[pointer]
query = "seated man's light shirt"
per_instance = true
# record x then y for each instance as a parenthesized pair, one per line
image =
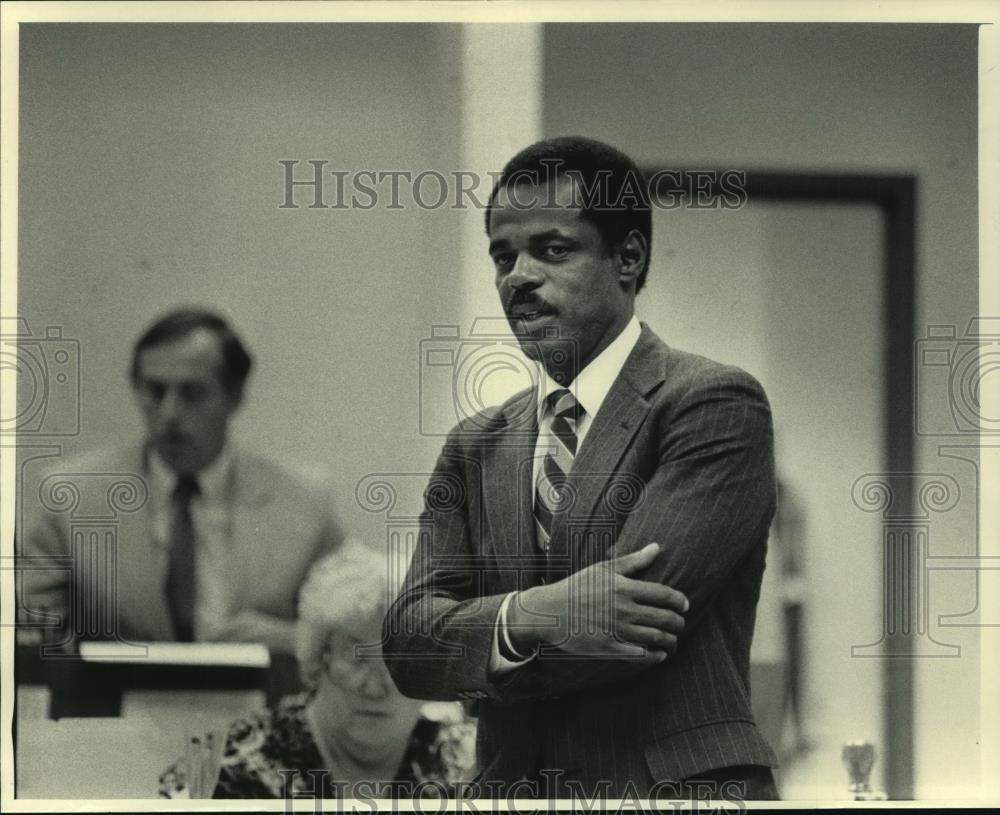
(590, 388)
(211, 517)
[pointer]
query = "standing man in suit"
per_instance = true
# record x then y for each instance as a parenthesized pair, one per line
(224, 539)
(591, 552)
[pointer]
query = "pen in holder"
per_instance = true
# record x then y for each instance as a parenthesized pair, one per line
(859, 758)
(203, 755)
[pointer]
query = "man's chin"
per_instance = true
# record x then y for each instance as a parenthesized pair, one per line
(540, 341)
(178, 457)
(557, 357)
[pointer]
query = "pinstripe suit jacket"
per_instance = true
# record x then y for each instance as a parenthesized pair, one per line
(681, 453)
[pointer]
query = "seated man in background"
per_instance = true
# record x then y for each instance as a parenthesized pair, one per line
(219, 546)
(351, 734)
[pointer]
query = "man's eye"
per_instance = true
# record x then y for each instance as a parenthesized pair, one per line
(153, 390)
(555, 251)
(503, 261)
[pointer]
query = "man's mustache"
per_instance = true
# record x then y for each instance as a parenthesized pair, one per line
(522, 303)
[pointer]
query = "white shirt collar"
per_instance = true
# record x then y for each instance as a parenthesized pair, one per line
(213, 480)
(594, 382)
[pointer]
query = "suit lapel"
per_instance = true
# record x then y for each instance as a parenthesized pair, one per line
(143, 562)
(250, 525)
(615, 425)
(507, 483)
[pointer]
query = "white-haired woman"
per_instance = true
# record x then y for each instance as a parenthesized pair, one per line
(351, 733)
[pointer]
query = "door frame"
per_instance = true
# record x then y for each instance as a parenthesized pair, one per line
(895, 197)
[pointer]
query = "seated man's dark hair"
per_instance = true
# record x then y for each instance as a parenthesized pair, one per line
(236, 361)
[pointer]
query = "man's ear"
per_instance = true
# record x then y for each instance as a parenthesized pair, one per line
(631, 257)
(235, 395)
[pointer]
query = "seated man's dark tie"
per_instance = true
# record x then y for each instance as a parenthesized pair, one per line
(181, 574)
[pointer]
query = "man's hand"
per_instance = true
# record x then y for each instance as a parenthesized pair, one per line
(601, 612)
(248, 625)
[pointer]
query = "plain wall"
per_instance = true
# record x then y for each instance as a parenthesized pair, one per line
(150, 177)
(850, 98)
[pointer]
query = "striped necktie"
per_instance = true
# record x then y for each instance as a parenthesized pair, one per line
(181, 573)
(557, 436)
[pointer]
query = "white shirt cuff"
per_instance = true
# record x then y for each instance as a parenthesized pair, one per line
(498, 662)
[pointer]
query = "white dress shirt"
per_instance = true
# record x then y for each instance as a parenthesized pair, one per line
(590, 388)
(211, 515)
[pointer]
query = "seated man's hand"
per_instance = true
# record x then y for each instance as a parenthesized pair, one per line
(601, 612)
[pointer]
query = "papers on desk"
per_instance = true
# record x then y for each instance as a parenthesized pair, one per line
(216, 654)
(96, 758)
(93, 758)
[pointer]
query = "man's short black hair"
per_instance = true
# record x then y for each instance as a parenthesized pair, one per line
(614, 191)
(236, 361)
